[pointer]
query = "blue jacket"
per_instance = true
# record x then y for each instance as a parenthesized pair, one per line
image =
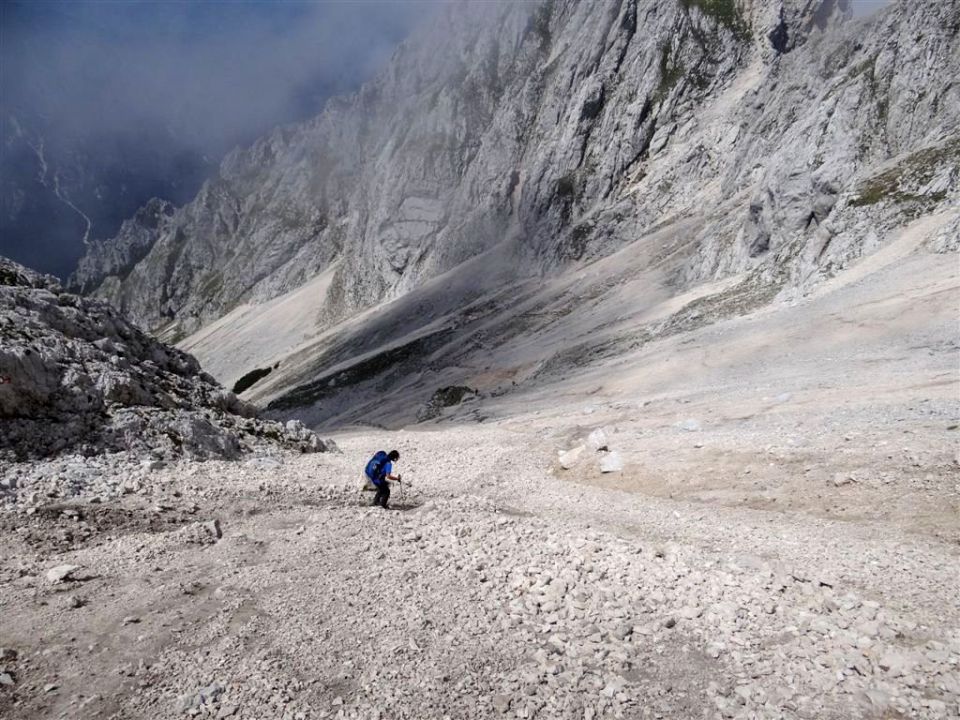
(378, 468)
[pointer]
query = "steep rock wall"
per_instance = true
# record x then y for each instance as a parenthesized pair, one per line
(562, 132)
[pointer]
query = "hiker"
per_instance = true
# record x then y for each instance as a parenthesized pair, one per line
(379, 470)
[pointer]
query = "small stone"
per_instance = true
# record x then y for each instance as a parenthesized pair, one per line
(264, 463)
(61, 572)
(611, 462)
(8, 654)
(569, 458)
(840, 479)
(597, 440)
(870, 609)
(874, 698)
(690, 425)
(501, 703)
(896, 663)
(213, 527)
(50, 688)
(6, 679)
(211, 694)
(186, 703)
(130, 620)
(74, 602)
(669, 622)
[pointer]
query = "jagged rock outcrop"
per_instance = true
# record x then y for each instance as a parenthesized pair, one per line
(75, 376)
(116, 257)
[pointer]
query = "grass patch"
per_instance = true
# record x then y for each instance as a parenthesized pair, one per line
(211, 285)
(741, 299)
(725, 12)
(577, 241)
(670, 74)
(900, 184)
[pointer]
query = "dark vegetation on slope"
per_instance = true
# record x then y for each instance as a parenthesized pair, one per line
(252, 377)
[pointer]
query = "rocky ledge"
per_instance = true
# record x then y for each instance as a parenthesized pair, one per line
(76, 379)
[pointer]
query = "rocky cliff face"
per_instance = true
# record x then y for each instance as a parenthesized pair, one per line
(76, 377)
(116, 257)
(778, 140)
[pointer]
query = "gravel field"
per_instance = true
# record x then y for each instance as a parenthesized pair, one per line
(268, 588)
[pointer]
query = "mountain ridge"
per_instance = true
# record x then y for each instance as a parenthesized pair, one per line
(546, 140)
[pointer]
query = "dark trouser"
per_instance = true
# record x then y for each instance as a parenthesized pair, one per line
(383, 494)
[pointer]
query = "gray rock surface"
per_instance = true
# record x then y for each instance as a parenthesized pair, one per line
(562, 131)
(117, 256)
(611, 462)
(78, 378)
(569, 458)
(60, 573)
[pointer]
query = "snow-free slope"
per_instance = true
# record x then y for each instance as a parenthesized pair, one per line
(252, 336)
(562, 132)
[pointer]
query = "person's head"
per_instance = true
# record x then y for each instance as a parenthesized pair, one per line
(394, 456)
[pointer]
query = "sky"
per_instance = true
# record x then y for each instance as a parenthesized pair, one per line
(214, 71)
(131, 97)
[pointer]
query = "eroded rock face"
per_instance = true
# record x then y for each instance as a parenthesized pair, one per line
(116, 257)
(564, 131)
(75, 376)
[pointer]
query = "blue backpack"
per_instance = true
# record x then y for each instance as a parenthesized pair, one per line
(375, 466)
